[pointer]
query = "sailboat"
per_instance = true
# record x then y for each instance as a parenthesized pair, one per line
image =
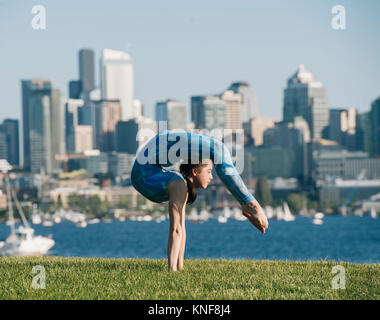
(21, 242)
(373, 213)
(287, 213)
(318, 218)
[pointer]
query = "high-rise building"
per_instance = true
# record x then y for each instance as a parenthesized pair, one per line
(132, 134)
(75, 89)
(9, 128)
(83, 138)
(257, 128)
(232, 109)
(249, 108)
(117, 80)
(375, 115)
(342, 128)
(364, 132)
(208, 112)
(3, 145)
(286, 136)
(87, 71)
(173, 112)
(107, 115)
(43, 124)
(306, 97)
(36, 96)
(57, 122)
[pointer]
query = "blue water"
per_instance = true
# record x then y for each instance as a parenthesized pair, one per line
(351, 239)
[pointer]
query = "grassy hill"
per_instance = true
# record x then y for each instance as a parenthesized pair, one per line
(99, 278)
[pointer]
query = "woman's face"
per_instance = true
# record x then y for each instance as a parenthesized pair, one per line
(203, 175)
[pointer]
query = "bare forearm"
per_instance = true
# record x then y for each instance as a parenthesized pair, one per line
(174, 241)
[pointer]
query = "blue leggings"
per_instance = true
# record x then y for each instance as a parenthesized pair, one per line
(151, 179)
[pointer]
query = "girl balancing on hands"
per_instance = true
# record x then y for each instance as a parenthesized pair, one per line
(197, 154)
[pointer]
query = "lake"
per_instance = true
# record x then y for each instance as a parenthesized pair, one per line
(350, 239)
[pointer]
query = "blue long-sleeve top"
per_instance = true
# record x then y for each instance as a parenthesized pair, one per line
(169, 147)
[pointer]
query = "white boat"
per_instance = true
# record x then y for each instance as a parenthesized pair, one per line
(319, 215)
(288, 216)
(21, 242)
(36, 218)
(93, 221)
(222, 219)
(81, 224)
(269, 212)
(279, 213)
(238, 214)
(204, 215)
(24, 243)
(47, 223)
(373, 213)
(317, 221)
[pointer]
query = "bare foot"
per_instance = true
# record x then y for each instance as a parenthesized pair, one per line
(255, 214)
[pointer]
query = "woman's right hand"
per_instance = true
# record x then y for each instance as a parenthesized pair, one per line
(255, 214)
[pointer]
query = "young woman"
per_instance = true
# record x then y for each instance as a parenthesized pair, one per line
(198, 154)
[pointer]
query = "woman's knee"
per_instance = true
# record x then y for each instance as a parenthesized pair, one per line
(177, 230)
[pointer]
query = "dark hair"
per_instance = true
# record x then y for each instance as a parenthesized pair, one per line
(186, 171)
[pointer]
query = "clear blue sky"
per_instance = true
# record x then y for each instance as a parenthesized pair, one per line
(184, 48)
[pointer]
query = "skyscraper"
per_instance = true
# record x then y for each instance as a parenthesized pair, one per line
(132, 134)
(43, 124)
(57, 122)
(86, 71)
(249, 108)
(173, 112)
(117, 80)
(232, 109)
(10, 129)
(107, 115)
(342, 128)
(208, 112)
(75, 89)
(306, 97)
(33, 92)
(375, 115)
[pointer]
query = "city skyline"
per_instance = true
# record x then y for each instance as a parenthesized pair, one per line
(343, 60)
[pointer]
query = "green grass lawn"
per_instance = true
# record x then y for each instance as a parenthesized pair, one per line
(98, 278)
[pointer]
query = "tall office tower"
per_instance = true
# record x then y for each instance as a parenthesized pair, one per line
(286, 136)
(3, 145)
(57, 122)
(249, 108)
(75, 89)
(342, 128)
(134, 133)
(117, 80)
(107, 115)
(9, 128)
(207, 112)
(257, 128)
(232, 109)
(36, 96)
(375, 115)
(306, 97)
(87, 72)
(83, 138)
(72, 122)
(364, 132)
(138, 108)
(173, 112)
